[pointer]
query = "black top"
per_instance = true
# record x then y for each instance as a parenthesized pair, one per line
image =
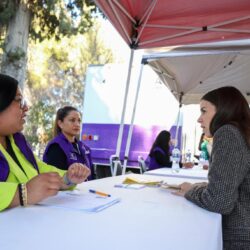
(57, 157)
(162, 159)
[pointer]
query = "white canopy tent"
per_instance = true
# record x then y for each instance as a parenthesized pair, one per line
(155, 23)
(191, 71)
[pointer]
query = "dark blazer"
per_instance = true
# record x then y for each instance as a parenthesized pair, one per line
(228, 188)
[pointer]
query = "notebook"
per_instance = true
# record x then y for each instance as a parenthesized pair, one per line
(82, 201)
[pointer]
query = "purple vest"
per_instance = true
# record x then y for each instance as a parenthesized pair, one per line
(71, 153)
(153, 164)
(25, 148)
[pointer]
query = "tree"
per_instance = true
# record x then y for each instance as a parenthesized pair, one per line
(56, 78)
(38, 19)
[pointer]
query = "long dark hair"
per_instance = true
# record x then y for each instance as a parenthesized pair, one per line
(60, 115)
(162, 141)
(8, 88)
(231, 108)
(201, 140)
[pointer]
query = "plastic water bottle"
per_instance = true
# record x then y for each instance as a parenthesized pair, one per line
(188, 157)
(202, 159)
(176, 156)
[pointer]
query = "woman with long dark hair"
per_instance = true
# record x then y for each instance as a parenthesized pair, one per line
(65, 148)
(225, 116)
(159, 155)
(24, 179)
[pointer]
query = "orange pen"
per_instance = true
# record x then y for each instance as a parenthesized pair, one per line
(99, 193)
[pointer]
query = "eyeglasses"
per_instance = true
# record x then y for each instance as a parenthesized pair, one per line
(21, 101)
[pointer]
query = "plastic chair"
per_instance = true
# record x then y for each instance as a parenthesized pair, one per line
(115, 165)
(142, 164)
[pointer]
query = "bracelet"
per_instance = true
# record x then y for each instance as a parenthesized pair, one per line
(20, 194)
(23, 195)
(67, 181)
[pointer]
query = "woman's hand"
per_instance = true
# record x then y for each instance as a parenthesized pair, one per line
(77, 173)
(187, 165)
(183, 188)
(205, 167)
(42, 186)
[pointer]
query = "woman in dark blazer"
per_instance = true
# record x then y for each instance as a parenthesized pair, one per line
(225, 115)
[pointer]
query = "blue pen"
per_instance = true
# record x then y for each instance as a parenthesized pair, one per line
(99, 193)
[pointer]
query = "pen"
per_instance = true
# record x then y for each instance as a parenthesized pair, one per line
(99, 193)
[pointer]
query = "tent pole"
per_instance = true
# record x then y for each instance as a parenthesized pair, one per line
(177, 128)
(132, 122)
(119, 139)
(178, 121)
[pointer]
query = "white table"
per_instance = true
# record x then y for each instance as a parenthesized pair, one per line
(192, 173)
(145, 219)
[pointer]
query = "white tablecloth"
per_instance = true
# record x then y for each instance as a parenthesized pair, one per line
(145, 219)
(180, 173)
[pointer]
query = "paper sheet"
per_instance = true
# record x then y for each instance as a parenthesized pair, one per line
(76, 200)
(130, 186)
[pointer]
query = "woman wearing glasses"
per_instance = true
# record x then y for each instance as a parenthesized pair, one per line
(24, 179)
(65, 149)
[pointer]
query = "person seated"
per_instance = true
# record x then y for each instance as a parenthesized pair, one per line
(24, 179)
(159, 155)
(187, 164)
(225, 116)
(205, 147)
(65, 149)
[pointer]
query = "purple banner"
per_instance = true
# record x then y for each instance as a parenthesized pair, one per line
(102, 139)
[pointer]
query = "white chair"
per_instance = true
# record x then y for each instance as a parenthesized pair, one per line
(142, 164)
(115, 165)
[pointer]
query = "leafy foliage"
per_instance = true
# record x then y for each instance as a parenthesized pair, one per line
(7, 10)
(53, 18)
(39, 126)
(56, 78)
(61, 47)
(60, 18)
